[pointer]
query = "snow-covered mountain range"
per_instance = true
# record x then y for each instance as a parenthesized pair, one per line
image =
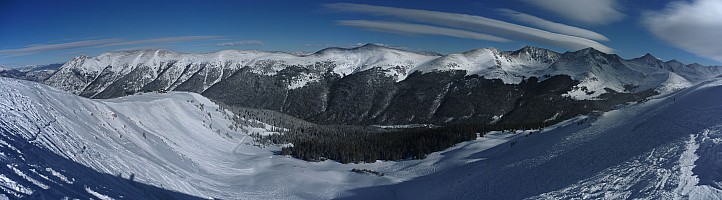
(373, 84)
(31, 72)
(91, 76)
(179, 145)
(166, 70)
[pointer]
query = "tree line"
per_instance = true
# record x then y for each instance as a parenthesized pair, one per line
(365, 146)
(355, 144)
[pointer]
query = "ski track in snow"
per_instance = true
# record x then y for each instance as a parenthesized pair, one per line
(665, 148)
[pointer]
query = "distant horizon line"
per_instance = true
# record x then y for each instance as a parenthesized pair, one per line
(307, 53)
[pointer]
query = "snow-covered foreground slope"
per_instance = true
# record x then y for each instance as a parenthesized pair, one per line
(666, 148)
(178, 146)
(55, 144)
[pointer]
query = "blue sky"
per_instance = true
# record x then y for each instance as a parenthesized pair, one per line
(41, 32)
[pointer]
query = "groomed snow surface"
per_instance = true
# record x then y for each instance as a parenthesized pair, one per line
(179, 146)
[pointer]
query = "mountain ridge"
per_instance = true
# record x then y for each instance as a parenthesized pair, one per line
(31, 72)
(373, 84)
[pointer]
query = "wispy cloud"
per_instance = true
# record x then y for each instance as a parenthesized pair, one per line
(242, 43)
(162, 40)
(75, 39)
(397, 27)
(475, 23)
(96, 43)
(694, 26)
(591, 12)
(141, 48)
(74, 53)
(31, 49)
(317, 45)
(552, 26)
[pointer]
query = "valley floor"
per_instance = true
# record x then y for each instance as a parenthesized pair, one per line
(180, 145)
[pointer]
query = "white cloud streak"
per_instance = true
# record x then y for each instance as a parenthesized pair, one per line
(31, 49)
(397, 27)
(694, 26)
(140, 48)
(242, 43)
(552, 26)
(317, 45)
(475, 23)
(37, 48)
(161, 40)
(590, 12)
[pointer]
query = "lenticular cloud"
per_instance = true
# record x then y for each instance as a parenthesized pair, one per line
(692, 26)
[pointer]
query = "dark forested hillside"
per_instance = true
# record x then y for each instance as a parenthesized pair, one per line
(369, 97)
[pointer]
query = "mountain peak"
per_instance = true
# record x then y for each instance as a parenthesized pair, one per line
(367, 46)
(648, 57)
(532, 48)
(371, 45)
(590, 50)
(482, 50)
(592, 54)
(650, 60)
(374, 47)
(81, 57)
(534, 51)
(674, 61)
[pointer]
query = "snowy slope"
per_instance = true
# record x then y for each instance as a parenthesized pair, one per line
(674, 83)
(55, 144)
(665, 148)
(510, 67)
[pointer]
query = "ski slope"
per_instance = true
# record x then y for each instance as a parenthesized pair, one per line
(178, 145)
(666, 148)
(54, 144)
